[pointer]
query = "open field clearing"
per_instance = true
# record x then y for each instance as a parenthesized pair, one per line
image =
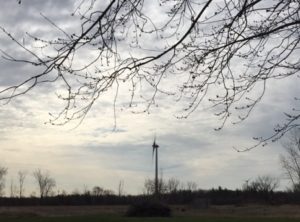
(283, 211)
(111, 218)
(256, 213)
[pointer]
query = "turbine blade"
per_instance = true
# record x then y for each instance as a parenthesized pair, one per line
(154, 146)
(153, 152)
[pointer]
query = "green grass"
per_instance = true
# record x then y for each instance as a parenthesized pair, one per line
(103, 218)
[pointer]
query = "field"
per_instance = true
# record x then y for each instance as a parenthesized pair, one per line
(124, 219)
(180, 213)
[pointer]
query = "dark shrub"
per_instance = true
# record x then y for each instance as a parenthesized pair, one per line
(148, 209)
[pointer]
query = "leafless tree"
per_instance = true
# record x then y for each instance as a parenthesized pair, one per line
(291, 160)
(86, 190)
(246, 185)
(3, 172)
(75, 192)
(13, 189)
(21, 179)
(224, 52)
(264, 183)
(121, 188)
(44, 181)
(172, 185)
(191, 185)
(108, 192)
(149, 186)
(97, 191)
(267, 183)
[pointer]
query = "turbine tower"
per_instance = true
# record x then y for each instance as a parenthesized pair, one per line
(155, 150)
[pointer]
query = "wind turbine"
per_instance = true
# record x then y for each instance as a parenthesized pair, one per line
(155, 150)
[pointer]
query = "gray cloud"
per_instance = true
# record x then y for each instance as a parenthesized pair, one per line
(189, 149)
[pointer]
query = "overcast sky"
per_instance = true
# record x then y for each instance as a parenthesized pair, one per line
(94, 154)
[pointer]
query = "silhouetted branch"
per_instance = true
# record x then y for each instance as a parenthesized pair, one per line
(225, 51)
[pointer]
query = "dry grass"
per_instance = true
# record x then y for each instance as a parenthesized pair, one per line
(283, 211)
(63, 210)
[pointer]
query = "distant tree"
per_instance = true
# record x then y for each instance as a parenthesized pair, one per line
(290, 162)
(45, 182)
(121, 188)
(108, 192)
(86, 191)
(76, 192)
(33, 194)
(219, 52)
(149, 186)
(172, 185)
(246, 185)
(13, 189)
(21, 179)
(97, 191)
(191, 185)
(262, 184)
(3, 172)
(63, 193)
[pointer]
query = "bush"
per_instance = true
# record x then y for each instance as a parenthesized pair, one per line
(148, 209)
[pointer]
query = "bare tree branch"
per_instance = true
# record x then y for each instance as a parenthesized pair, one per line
(226, 52)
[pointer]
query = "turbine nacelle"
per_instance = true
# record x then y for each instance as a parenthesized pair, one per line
(154, 146)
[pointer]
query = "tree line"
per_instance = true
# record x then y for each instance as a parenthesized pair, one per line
(262, 186)
(44, 181)
(255, 193)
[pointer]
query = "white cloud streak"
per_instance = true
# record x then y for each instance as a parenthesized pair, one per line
(94, 154)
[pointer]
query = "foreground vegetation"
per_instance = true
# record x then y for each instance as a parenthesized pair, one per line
(103, 218)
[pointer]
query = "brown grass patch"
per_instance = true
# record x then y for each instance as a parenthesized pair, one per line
(283, 211)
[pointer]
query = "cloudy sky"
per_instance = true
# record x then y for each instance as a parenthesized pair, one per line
(95, 154)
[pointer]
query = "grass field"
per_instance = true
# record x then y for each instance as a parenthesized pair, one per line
(252, 213)
(110, 218)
